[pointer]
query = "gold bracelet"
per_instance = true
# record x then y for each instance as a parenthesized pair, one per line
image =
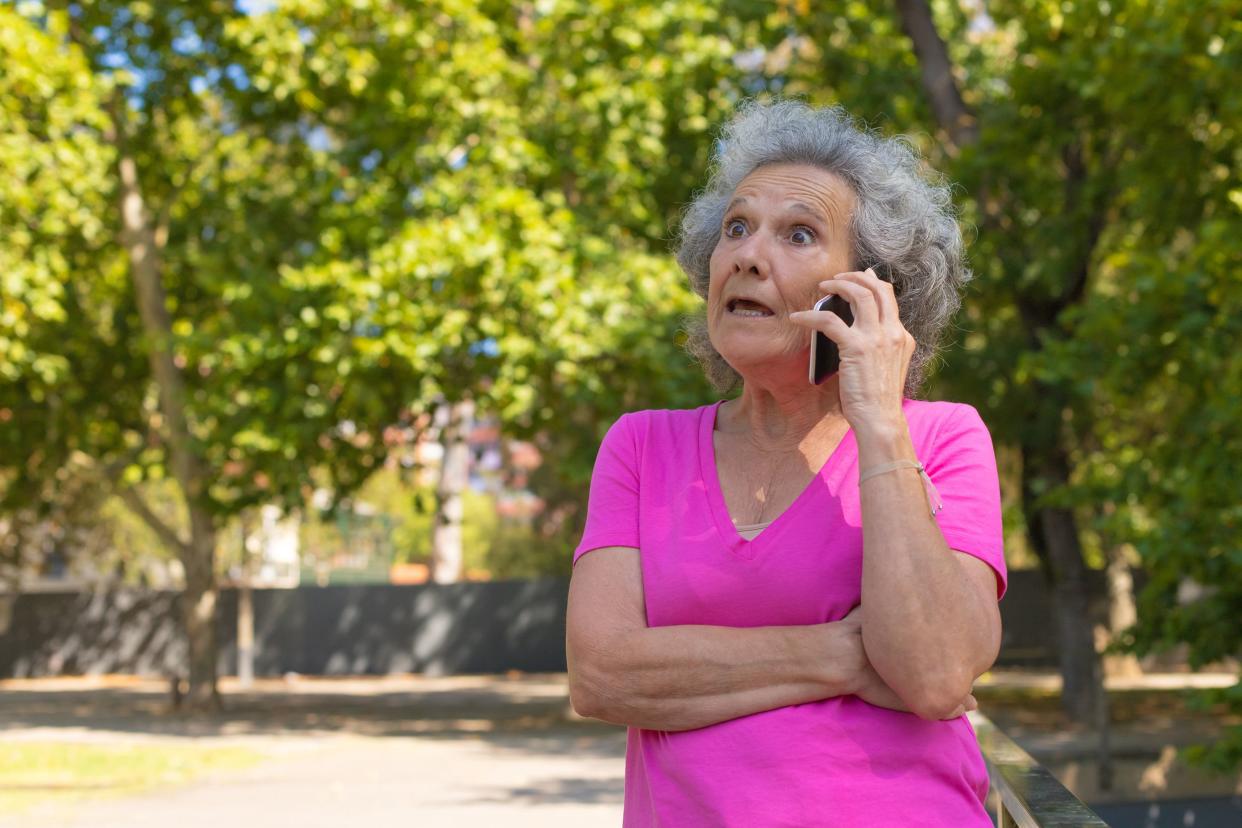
(933, 496)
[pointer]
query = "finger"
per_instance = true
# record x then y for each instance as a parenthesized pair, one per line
(862, 300)
(882, 291)
(889, 313)
(826, 322)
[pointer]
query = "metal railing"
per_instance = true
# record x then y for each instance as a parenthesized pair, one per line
(1027, 794)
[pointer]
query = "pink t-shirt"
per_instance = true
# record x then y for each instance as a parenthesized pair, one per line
(837, 762)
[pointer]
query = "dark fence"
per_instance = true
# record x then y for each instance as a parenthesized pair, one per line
(367, 629)
(334, 630)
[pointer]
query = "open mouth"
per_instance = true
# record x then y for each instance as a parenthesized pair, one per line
(748, 309)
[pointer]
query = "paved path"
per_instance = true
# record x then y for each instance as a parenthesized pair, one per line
(482, 753)
(372, 781)
(460, 751)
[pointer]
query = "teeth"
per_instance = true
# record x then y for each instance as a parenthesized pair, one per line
(736, 309)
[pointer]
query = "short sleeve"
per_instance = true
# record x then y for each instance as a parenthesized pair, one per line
(962, 466)
(612, 505)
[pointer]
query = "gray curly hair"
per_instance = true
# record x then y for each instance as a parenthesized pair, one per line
(904, 221)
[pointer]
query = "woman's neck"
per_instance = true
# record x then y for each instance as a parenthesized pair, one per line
(777, 420)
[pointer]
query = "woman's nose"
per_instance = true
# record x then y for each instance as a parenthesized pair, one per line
(751, 256)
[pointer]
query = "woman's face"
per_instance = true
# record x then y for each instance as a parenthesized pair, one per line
(785, 230)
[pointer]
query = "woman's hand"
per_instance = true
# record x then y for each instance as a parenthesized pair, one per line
(875, 350)
(871, 688)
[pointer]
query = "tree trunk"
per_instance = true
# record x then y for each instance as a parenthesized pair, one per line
(1054, 534)
(1053, 531)
(446, 552)
(199, 614)
(142, 241)
(937, 72)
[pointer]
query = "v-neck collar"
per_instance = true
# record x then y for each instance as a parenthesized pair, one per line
(715, 494)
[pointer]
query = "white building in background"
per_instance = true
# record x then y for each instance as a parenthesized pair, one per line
(273, 551)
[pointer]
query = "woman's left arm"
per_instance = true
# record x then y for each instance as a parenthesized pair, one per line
(931, 623)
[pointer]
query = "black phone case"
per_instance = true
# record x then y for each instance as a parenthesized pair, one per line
(827, 357)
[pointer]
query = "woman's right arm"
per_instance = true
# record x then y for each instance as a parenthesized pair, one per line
(685, 677)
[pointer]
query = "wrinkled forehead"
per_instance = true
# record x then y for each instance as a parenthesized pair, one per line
(797, 188)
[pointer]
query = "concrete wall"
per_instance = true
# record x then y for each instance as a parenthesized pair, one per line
(372, 629)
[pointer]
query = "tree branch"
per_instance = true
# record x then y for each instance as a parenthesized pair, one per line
(951, 112)
(163, 217)
(961, 125)
(162, 530)
(111, 471)
(146, 265)
(1075, 179)
(948, 107)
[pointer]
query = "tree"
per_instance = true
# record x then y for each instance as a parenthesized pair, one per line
(893, 65)
(517, 250)
(1093, 147)
(296, 248)
(152, 333)
(1098, 165)
(1048, 291)
(359, 212)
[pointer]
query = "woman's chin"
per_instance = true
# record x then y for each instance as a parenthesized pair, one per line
(769, 367)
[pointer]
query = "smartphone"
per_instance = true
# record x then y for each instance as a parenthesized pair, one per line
(825, 358)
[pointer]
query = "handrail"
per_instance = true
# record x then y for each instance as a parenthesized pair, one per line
(1029, 796)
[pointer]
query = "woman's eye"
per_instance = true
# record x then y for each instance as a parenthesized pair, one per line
(802, 235)
(730, 224)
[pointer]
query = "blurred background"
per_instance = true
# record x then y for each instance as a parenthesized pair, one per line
(313, 314)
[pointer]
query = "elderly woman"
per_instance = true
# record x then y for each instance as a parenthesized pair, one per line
(789, 593)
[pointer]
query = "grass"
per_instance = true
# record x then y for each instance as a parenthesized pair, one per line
(34, 773)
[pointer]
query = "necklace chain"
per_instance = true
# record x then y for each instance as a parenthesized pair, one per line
(767, 489)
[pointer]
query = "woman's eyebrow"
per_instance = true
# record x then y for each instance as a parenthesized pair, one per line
(809, 210)
(799, 206)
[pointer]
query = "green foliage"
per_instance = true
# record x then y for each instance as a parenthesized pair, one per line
(491, 545)
(1105, 210)
(525, 551)
(1225, 754)
(344, 245)
(412, 512)
(128, 546)
(1106, 193)
(371, 208)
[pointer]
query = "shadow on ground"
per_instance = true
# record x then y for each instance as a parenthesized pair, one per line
(524, 712)
(552, 791)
